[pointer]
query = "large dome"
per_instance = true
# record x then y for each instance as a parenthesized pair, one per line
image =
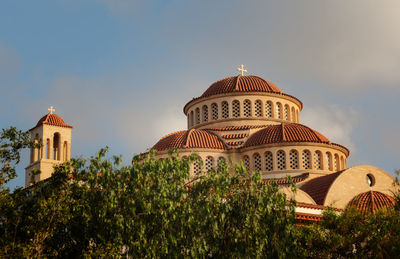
(241, 84)
(285, 132)
(190, 139)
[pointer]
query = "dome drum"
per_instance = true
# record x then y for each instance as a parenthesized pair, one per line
(251, 109)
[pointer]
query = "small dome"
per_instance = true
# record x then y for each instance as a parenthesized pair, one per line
(193, 138)
(53, 119)
(371, 201)
(241, 84)
(285, 132)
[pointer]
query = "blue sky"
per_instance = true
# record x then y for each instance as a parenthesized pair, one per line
(120, 71)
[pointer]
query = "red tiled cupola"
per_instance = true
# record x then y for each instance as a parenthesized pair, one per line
(285, 132)
(53, 119)
(193, 138)
(241, 84)
(371, 201)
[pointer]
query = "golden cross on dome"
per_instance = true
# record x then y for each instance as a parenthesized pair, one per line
(51, 109)
(241, 69)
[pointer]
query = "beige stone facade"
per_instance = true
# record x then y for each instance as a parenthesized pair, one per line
(55, 140)
(259, 126)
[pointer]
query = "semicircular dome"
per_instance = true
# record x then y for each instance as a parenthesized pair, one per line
(192, 138)
(241, 84)
(371, 201)
(285, 132)
(53, 119)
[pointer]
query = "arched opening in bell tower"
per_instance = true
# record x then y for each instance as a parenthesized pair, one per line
(56, 146)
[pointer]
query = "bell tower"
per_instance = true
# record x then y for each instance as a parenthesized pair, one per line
(55, 138)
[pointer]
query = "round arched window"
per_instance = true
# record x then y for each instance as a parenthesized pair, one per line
(370, 180)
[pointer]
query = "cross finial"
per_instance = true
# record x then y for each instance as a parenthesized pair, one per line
(241, 69)
(51, 109)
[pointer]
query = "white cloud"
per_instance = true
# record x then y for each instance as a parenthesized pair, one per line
(334, 122)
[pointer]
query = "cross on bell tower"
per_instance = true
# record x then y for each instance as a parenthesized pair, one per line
(51, 109)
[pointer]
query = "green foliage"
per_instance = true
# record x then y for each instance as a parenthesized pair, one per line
(154, 208)
(12, 141)
(352, 234)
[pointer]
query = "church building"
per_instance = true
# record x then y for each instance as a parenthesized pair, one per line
(249, 120)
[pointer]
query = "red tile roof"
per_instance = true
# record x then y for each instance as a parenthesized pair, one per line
(241, 84)
(193, 138)
(52, 119)
(318, 188)
(285, 180)
(314, 206)
(235, 136)
(307, 217)
(371, 201)
(234, 128)
(234, 143)
(285, 132)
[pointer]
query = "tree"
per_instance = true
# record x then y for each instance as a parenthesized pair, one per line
(151, 208)
(12, 141)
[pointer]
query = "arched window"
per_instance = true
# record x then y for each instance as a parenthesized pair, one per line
(191, 119)
(236, 109)
(258, 108)
(342, 165)
(56, 146)
(41, 149)
(247, 108)
(209, 163)
(317, 160)
(225, 110)
(279, 110)
(196, 167)
(336, 165)
(47, 148)
(220, 161)
(281, 159)
(269, 165)
(214, 110)
(32, 155)
(287, 112)
(246, 162)
(205, 113)
(36, 151)
(329, 161)
(293, 113)
(268, 109)
(306, 159)
(257, 162)
(294, 159)
(65, 151)
(197, 116)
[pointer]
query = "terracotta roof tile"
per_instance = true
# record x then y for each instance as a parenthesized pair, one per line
(52, 119)
(193, 138)
(241, 84)
(234, 128)
(235, 143)
(235, 136)
(314, 206)
(285, 180)
(371, 201)
(307, 217)
(285, 132)
(318, 188)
